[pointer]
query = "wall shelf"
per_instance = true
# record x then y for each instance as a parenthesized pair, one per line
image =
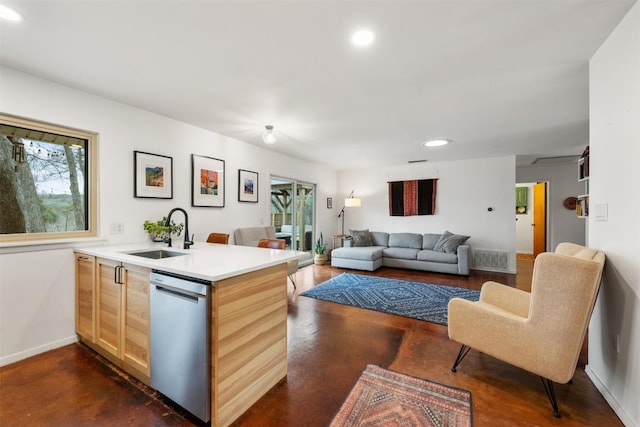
(582, 205)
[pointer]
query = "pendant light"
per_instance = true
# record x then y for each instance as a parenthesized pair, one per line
(267, 136)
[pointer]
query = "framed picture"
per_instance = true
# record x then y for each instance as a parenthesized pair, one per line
(247, 186)
(329, 203)
(152, 176)
(207, 182)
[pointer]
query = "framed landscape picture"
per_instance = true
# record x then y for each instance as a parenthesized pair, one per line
(247, 186)
(152, 176)
(207, 181)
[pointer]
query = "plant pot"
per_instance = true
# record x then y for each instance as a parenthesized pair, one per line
(159, 237)
(319, 259)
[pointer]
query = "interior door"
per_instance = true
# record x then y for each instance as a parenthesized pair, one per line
(539, 218)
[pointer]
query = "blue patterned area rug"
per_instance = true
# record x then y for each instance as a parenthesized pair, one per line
(409, 299)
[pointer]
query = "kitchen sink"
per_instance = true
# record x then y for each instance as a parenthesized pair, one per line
(156, 254)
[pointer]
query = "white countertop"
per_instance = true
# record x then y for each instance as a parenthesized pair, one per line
(208, 261)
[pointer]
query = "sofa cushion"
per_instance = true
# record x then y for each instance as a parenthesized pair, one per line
(429, 240)
(405, 240)
(360, 237)
(449, 242)
(379, 238)
(365, 253)
(402, 253)
(436, 256)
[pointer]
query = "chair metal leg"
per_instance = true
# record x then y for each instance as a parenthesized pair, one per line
(292, 281)
(551, 394)
(461, 354)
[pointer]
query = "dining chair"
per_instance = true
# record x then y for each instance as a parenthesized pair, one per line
(218, 238)
(292, 266)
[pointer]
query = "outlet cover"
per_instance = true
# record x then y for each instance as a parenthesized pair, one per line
(116, 228)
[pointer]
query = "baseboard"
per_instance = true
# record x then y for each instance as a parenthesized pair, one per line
(12, 358)
(615, 405)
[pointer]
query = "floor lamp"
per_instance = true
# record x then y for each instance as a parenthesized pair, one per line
(349, 202)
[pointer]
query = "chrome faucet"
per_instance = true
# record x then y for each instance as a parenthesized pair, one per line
(187, 242)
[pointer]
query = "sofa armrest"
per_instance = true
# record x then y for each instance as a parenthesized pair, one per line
(464, 259)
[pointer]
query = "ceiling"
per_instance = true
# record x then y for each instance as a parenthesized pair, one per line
(504, 77)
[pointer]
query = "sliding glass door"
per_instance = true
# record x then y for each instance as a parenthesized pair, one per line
(293, 213)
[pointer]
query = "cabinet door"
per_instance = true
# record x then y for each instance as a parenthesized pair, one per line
(109, 307)
(85, 296)
(135, 337)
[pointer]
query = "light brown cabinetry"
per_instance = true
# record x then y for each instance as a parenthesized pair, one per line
(85, 296)
(248, 340)
(122, 314)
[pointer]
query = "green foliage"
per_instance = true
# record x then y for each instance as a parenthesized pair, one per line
(159, 228)
(321, 246)
(57, 212)
(49, 214)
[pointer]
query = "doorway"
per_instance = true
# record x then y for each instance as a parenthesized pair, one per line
(293, 214)
(532, 220)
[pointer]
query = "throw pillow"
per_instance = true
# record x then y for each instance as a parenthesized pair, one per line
(361, 237)
(449, 242)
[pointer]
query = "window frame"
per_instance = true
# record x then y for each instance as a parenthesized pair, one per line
(92, 176)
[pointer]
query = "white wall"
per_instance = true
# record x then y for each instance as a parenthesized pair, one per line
(466, 189)
(28, 324)
(614, 332)
(564, 225)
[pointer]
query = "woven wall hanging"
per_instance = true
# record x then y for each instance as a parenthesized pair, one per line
(415, 197)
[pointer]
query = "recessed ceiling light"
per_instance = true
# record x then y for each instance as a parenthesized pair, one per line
(9, 14)
(436, 142)
(362, 38)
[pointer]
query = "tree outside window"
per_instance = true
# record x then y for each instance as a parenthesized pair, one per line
(45, 180)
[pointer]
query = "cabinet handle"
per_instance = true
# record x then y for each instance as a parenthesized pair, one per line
(117, 274)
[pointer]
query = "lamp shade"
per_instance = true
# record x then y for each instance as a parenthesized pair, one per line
(352, 202)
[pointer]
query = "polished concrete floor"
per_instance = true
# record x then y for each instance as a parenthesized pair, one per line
(329, 345)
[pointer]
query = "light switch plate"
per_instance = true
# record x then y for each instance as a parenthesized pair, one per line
(602, 212)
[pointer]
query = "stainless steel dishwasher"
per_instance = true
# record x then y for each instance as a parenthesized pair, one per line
(180, 341)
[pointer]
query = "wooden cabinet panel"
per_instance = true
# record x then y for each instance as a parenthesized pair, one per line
(109, 307)
(123, 313)
(135, 327)
(249, 340)
(85, 296)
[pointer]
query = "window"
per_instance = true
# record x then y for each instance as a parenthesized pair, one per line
(48, 180)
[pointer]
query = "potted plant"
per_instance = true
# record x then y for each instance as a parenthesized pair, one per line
(320, 257)
(159, 232)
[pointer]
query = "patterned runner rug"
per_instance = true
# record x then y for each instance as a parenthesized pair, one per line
(410, 299)
(386, 398)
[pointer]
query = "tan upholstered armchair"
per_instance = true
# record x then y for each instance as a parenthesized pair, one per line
(542, 331)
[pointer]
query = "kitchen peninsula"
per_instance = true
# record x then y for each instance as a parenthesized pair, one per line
(247, 313)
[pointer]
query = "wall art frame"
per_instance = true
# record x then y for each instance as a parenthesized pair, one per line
(152, 176)
(247, 186)
(207, 181)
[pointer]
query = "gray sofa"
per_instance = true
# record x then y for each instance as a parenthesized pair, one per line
(441, 253)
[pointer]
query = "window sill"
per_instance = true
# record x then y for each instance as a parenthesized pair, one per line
(49, 245)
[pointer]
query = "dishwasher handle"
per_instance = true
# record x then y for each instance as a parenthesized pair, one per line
(181, 293)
